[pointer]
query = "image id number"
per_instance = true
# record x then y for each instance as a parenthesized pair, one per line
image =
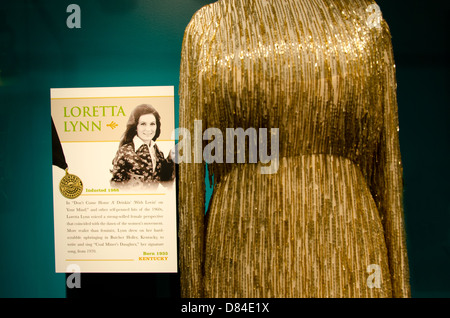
(247, 307)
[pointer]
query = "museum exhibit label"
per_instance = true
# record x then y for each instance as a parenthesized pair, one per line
(115, 203)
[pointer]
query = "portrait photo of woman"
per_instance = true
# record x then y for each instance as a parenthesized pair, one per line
(138, 162)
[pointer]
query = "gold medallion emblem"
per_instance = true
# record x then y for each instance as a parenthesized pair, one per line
(70, 186)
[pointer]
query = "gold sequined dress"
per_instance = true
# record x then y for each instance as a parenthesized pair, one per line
(323, 73)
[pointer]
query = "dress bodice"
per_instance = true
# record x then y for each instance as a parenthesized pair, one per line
(314, 69)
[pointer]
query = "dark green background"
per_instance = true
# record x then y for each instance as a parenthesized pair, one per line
(138, 43)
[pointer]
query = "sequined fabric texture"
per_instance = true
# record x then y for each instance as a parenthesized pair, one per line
(323, 73)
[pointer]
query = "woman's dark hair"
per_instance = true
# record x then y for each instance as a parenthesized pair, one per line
(133, 121)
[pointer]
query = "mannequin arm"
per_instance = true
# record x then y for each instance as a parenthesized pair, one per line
(191, 197)
(389, 175)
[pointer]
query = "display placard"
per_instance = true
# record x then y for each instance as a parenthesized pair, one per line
(115, 204)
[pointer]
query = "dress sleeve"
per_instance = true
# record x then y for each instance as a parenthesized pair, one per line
(165, 167)
(120, 167)
(389, 174)
(191, 175)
